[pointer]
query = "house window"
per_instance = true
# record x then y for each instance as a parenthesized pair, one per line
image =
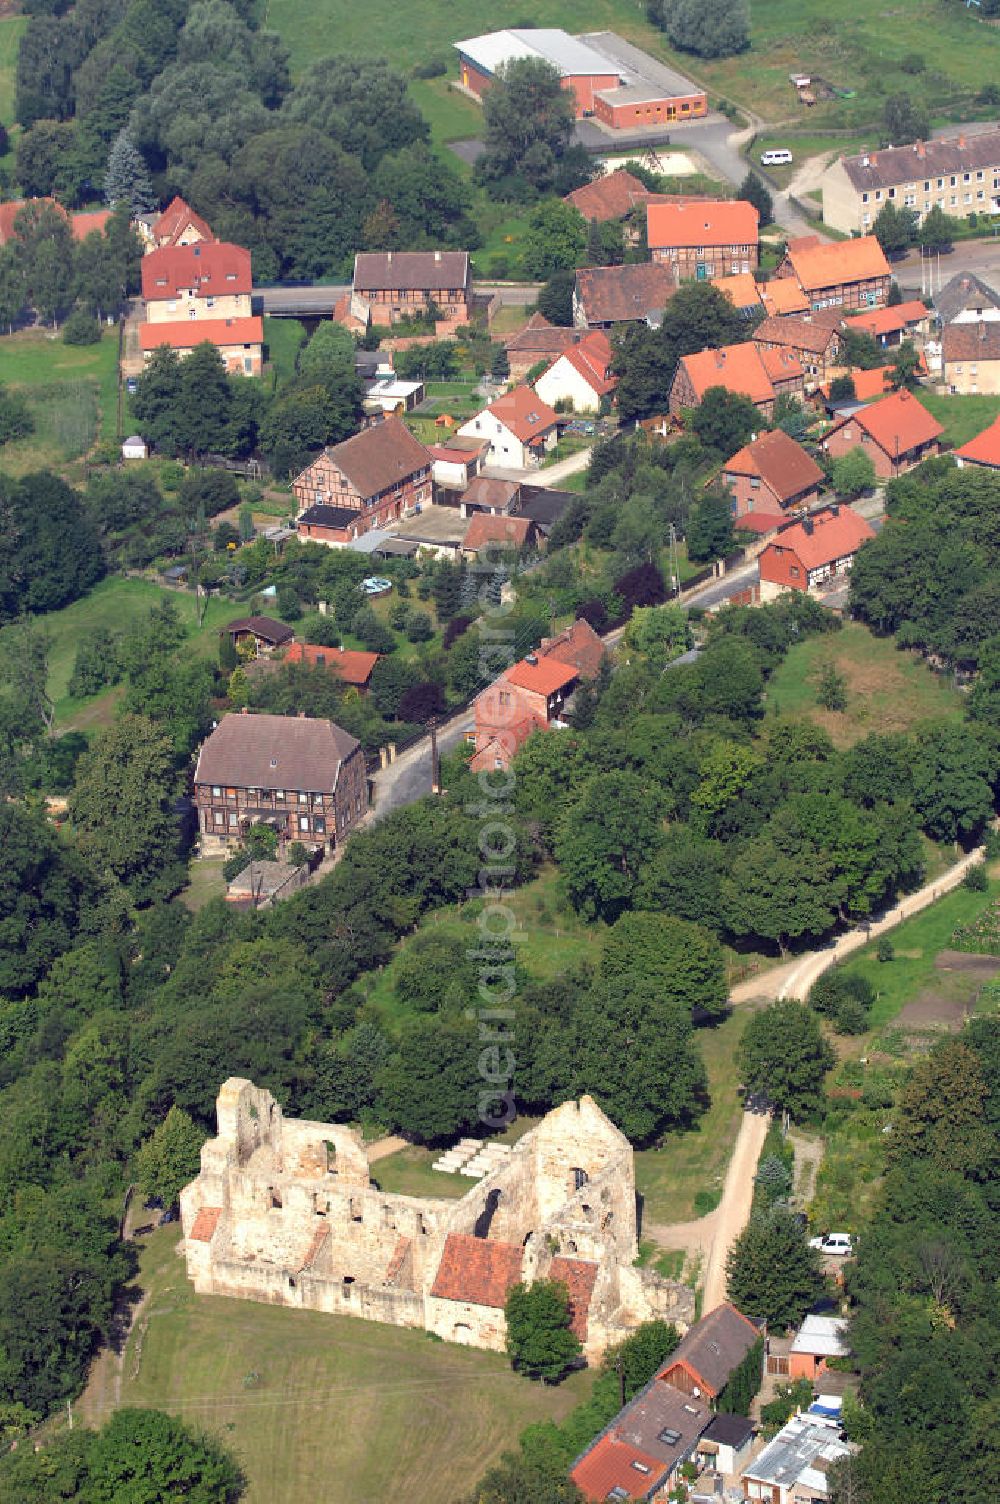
(303, 798)
(967, 177)
(927, 186)
(219, 817)
(864, 198)
(794, 571)
(319, 825)
(216, 791)
(303, 822)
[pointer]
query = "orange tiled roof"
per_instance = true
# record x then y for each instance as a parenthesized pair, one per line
(760, 522)
(708, 222)
(578, 645)
(543, 677)
(579, 1276)
(592, 359)
(783, 295)
(184, 334)
(81, 222)
(495, 527)
(205, 1223)
(741, 290)
(351, 665)
(779, 461)
(175, 218)
(796, 333)
(876, 321)
(984, 449)
(781, 364)
(818, 265)
(524, 413)
(739, 368)
(85, 222)
(834, 535)
(615, 1464)
(478, 1270)
(213, 268)
(897, 423)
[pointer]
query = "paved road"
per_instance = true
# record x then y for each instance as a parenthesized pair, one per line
(290, 302)
(716, 592)
(979, 256)
(409, 777)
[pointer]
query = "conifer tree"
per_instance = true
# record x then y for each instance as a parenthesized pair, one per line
(126, 179)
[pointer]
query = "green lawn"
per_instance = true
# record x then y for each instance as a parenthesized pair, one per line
(282, 338)
(72, 391)
(205, 882)
(963, 417)
(693, 1162)
(887, 689)
(11, 31)
(118, 604)
(451, 115)
(342, 1409)
(802, 148)
(858, 48)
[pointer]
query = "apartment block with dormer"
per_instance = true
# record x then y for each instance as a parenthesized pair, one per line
(958, 174)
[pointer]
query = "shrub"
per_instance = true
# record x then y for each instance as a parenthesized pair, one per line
(16, 421)
(81, 329)
(975, 878)
(885, 950)
(913, 62)
(845, 997)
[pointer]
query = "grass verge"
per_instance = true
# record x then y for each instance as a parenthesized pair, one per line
(887, 689)
(962, 417)
(374, 1411)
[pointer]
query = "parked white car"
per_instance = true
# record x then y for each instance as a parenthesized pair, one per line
(833, 1242)
(777, 158)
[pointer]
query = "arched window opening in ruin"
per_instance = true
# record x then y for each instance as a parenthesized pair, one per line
(462, 1332)
(482, 1227)
(587, 1210)
(331, 1157)
(319, 1205)
(346, 1287)
(608, 1220)
(570, 1247)
(275, 1200)
(580, 1178)
(356, 1211)
(291, 1282)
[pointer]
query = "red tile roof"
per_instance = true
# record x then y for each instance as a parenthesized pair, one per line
(481, 1271)
(783, 295)
(609, 197)
(780, 462)
(81, 222)
(876, 321)
(539, 337)
(494, 527)
(612, 1463)
(619, 294)
(760, 522)
(833, 536)
(796, 333)
(971, 342)
(184, 334)
(211, 269)
(741, 290)
(818, 265)
(739, 368)
(543, 677)
(205, 1223)
(176, 218)
(897, 423)
(708, 223)
(782, 364)
(592, 359)
(984, 449)
(578, 645)
(353, 666)
(524, 413)
(579, 1276)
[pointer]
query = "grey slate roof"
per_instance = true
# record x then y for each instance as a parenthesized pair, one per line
(965, 290)
(895, 165)
(715, 1346)
(275, 752)
(410, 271)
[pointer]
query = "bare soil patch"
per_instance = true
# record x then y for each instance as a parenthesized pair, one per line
(931, 1009)
(982, 968)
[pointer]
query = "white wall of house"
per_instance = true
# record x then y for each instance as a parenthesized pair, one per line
(561, 382)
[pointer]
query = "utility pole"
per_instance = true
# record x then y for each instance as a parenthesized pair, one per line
(675, 568)
(435, 761)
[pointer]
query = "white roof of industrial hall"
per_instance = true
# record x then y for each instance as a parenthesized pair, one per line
(569, 54)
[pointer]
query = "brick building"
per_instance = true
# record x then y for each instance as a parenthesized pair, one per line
(305, 778)
(705, 238)
(896, 433)
(351, 666)
(761, 375)
(366, 482)
(772, 474)
(604, 296)
(816, 549)
(983, 450)
(819, 349)
(177, 225)
(538, 341)
(532, 695)
(838, 274)
(197, 292)
(391, 285)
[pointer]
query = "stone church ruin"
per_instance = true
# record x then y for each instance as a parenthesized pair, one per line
(285, 1211)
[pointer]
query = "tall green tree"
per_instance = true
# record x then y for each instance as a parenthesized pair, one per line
(783, 1054)
(169, 1158)
(540, 1340)
(126, 180)
(605, 837)
(681, 960)
(122, 806)
(771, 1272)
(148, 1458)
(754, 191)
(528, 119)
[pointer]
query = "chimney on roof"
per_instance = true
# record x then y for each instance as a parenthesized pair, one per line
(807, 526)
(531, 658)
(961, 141)
(920, 149)
(865, 160)
(388, 256)
(835, 509)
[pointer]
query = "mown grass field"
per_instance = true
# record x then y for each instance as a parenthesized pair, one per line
(372, 1411)
(692, 1163)
(72, 391)
(962, 417)
(118, 605)
(887, 690)
(11, 31)
(282, 338)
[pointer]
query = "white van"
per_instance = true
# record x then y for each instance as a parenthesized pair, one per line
(775, 158)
